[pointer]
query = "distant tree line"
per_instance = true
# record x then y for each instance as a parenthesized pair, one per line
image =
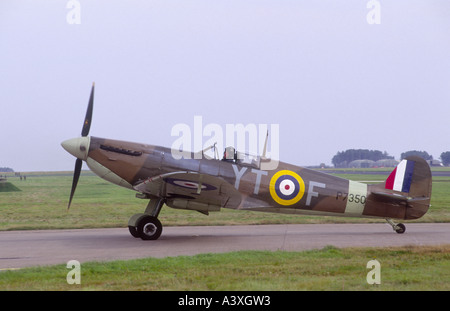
(6, 170)
(422, 154)
(342, 158)
(445, 158)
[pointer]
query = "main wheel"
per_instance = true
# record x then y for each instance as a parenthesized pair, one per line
(400, 228)
(149, 228)
(133, 231)
(132, 224)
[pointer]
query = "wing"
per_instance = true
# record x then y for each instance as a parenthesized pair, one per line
(191, 190)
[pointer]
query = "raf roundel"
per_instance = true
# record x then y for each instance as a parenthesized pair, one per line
(287, 187)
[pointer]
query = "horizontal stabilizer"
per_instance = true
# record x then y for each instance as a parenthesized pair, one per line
(395, 197)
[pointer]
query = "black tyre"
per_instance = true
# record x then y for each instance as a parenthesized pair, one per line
(400, 228)
(149, 228)
(133, 231)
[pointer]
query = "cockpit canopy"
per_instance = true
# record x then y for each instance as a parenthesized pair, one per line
(231, 155)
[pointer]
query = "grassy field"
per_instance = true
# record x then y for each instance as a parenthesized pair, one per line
(42, 200)
(42, 204)
(407, 268)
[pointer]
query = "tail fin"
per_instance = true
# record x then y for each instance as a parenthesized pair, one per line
(410, 182)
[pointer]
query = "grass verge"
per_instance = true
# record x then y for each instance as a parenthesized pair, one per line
(405, 268)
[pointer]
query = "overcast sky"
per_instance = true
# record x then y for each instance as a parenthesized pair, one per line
(330, 79)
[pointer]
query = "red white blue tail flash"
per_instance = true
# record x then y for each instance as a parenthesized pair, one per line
(401, 177)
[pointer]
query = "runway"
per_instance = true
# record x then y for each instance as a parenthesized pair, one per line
(20, 249)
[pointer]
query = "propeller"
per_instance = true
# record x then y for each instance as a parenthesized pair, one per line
(88, 117)
(84, 133)
(76, 176)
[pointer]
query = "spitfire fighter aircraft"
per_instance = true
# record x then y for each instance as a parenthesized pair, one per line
(207, 185)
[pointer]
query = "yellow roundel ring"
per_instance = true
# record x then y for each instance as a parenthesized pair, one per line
(286, 187)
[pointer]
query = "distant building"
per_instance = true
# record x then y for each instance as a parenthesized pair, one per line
(370, 164)
(386, 163)
(361, 164)
(435, 163)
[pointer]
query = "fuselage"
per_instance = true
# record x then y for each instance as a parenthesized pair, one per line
(286, 189)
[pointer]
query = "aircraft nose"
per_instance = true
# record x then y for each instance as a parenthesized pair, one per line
(78, 147)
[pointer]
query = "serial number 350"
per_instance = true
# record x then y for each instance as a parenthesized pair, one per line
(358, 198)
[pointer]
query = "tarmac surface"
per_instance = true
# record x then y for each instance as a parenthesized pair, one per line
(20, 249)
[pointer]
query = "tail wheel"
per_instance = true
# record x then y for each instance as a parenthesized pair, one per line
(148, 228)
(399, 228)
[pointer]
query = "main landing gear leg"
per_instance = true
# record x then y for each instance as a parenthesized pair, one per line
(399, 228)
(147, 226)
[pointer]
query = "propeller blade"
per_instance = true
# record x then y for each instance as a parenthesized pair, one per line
(88, 118)
(76, 176)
